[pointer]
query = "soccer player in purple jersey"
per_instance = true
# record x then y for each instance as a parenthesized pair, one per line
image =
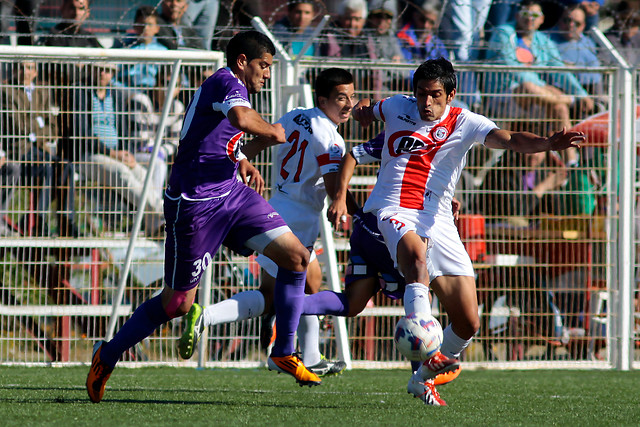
(206, 205)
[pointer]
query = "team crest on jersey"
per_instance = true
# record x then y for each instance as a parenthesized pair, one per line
(335, 153)
(440, 133)
(233, 147)
(304, 122)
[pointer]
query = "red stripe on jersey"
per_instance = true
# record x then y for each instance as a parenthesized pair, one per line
(380, 109)
(231, 146)
(324, 160)
(416, 173)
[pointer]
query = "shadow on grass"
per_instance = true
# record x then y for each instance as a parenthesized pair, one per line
(113, 399)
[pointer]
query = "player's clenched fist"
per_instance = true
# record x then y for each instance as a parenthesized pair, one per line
(279, 135)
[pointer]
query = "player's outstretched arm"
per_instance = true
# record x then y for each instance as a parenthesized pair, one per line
(250, 121)
(526, 142)
(256, 146)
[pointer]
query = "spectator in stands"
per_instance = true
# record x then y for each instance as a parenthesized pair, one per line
(418, 34)
(30, 134)
(625, 33)
(461, 25)
(233, 16)
(146, 113)
(104, 153)
(591, 9)
(380, 27)
(344, 39)
(70, 32)
(145, 28)
(294, 29)
(576, 48)
(22, 12)
(175, 31)
(521, 186)
(522, 44)
(202, 15)
(380, 23)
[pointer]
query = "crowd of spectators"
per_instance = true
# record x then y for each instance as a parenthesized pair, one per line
(513, 33)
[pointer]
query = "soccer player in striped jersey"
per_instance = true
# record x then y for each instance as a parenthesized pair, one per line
(306, 165)
(205, 205)
(371, 269)
(424, 152)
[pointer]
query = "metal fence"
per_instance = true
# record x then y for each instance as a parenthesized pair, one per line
(550, 281)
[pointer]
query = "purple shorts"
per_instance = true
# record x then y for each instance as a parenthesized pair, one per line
(243, 221)
(369, 257)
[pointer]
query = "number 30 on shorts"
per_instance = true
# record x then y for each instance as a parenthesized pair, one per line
(201, 264)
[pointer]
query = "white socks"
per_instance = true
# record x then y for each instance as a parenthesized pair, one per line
(250, 304)
(242, 306)
(416, 298)
(309, 339)
(452, 345)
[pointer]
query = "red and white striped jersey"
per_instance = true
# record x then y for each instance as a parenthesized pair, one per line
(313, 148)
(420, 158)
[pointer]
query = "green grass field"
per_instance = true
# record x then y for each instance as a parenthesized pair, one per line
(230, 397)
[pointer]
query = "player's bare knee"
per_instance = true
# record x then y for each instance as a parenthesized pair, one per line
(299, 260)
(466, 329)
(178, 303)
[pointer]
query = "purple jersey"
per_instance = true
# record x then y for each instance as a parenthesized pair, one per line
(370, 151)
(209, 149)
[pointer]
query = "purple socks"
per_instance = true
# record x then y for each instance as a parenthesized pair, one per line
(146, 319)
(326, 302)
(288, 300)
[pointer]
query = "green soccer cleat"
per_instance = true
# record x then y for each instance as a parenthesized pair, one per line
(194, 321)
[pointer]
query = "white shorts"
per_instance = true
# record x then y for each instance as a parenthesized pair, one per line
(303, 221)
(446, 255)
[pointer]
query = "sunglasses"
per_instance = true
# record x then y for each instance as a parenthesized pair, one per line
(572, 21)
(527, 14)
(381, 15)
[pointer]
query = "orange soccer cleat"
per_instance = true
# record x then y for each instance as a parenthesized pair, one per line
(293, 366)
(438, 364)
(98, 375)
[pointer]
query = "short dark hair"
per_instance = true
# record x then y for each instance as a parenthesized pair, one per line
(330, 78)
(145, 11)
(436, 69)
(293, 3)
(253, 44)
(527, 3)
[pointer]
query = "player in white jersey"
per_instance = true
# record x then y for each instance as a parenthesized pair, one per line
(306, 168)
(426, 141)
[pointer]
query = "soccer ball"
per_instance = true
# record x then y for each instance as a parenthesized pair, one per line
(418, 336)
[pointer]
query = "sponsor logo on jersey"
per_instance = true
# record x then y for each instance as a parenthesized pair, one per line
(304, 122)
(273, 215)
(409, 142)
(233, 95)
(406, 118)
